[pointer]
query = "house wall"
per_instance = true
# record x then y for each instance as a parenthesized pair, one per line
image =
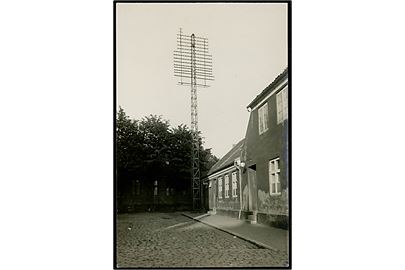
(259, 150)
(225, 204)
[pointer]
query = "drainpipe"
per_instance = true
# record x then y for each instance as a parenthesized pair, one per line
(240, 167)
(240, 191)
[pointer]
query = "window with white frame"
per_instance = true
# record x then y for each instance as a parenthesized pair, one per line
(263, 118)
(274, 175)
(282, 105)
(234, 184)
(226, 186)
(220, 188)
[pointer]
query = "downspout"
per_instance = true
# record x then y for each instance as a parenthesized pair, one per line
(240, 190)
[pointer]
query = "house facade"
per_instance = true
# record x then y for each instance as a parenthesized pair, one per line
(266, 154)
(262, 161)
(224, 183)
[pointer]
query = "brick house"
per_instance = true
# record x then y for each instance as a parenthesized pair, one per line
(262, 160)
(224, 183)
(266, 154)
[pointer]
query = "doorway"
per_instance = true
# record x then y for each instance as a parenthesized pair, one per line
(252, 188)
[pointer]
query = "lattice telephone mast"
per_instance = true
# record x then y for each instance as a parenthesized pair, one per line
(193, 66)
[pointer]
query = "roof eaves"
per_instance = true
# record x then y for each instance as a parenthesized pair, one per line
(227, 159)
(219, 169)
(269, 88)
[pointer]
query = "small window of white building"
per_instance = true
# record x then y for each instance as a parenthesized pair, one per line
(226, 186)
(274, 175)
(234, 184)
(282, 105)
(220, 188)
(263, 118)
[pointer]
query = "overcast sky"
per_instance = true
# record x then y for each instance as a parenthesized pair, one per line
(248, 43)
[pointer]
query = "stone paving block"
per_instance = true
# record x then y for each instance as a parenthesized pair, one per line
(172, 240)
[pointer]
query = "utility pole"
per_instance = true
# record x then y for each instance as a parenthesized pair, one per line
(192, 63)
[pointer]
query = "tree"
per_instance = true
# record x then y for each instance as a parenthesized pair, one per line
(150, 149)
(207, 160)
(128, 149)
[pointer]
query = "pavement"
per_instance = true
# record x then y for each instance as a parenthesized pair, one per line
(172, 240)
(258, 234)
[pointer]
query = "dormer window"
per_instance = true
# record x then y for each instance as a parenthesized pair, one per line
(263, 118)
(282, 105)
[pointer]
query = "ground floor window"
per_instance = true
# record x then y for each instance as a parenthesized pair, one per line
(234, 184)
(220, 188)
(226, 186)
(274, 175)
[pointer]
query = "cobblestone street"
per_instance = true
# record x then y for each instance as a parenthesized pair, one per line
(173, 240)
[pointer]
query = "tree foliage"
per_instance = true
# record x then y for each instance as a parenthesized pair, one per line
(149, 149)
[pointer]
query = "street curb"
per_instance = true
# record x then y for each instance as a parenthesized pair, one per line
(259, 244)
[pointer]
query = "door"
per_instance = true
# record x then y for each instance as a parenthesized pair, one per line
(252, 188)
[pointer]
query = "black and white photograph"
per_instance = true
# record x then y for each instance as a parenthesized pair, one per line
(202, 163)
(202, 134)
